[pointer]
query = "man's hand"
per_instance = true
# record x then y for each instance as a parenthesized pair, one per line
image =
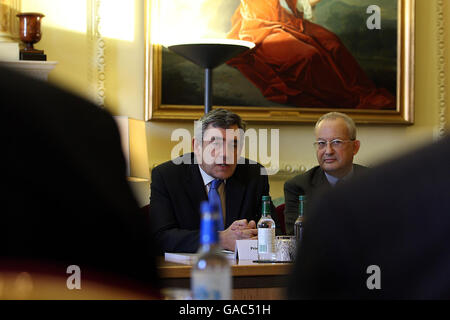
(239, 229)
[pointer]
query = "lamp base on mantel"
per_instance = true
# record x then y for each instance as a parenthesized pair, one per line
(36, 55)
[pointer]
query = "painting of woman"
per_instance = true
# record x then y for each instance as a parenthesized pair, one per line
(300, 63)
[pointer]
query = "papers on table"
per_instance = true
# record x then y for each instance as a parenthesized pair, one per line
(190, 258)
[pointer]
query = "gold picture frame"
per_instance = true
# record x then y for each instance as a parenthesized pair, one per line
(403, 114)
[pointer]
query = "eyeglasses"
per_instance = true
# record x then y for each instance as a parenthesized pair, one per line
(335, 144)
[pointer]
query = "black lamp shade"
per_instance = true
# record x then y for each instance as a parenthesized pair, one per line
(210, 55)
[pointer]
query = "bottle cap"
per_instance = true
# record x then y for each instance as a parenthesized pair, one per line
(302, 197)
(208, 229)
(265, 198)
(205, 206)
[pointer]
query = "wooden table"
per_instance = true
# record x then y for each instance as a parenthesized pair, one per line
(251, 281)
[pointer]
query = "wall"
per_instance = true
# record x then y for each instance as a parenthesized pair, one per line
(125, 73)
(379, 143)
(64, 39)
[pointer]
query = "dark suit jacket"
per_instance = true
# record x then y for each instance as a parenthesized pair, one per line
(65, 196)
(176, 193)
(396, 217)
(311, 183)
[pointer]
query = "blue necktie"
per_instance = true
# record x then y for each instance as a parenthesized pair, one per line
(214, 199)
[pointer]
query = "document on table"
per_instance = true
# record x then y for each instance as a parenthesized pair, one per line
(190, 258)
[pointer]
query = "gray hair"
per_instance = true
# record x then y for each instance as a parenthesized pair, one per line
(339, 115)
(218, 118)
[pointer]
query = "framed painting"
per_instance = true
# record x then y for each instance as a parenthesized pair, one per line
(310, 57)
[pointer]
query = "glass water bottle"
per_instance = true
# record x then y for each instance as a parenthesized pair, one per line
(211, 273)
(298, 225)
(266, 233)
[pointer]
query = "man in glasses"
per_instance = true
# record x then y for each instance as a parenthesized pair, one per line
(335, 145)
(214, 170)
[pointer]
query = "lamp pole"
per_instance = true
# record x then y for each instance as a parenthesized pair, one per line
(208, 90)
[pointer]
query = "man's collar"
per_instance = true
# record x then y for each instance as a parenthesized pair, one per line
(333, 180)
(206, 177)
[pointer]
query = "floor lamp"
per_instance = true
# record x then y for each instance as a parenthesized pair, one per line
(209, 54)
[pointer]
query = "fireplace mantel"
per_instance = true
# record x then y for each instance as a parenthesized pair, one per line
(36, 69)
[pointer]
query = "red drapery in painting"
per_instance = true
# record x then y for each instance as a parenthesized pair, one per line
(300, 63)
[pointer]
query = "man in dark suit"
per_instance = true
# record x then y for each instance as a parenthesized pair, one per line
(336, 145)
(178, 186)
(383, 236)
(65, 199)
